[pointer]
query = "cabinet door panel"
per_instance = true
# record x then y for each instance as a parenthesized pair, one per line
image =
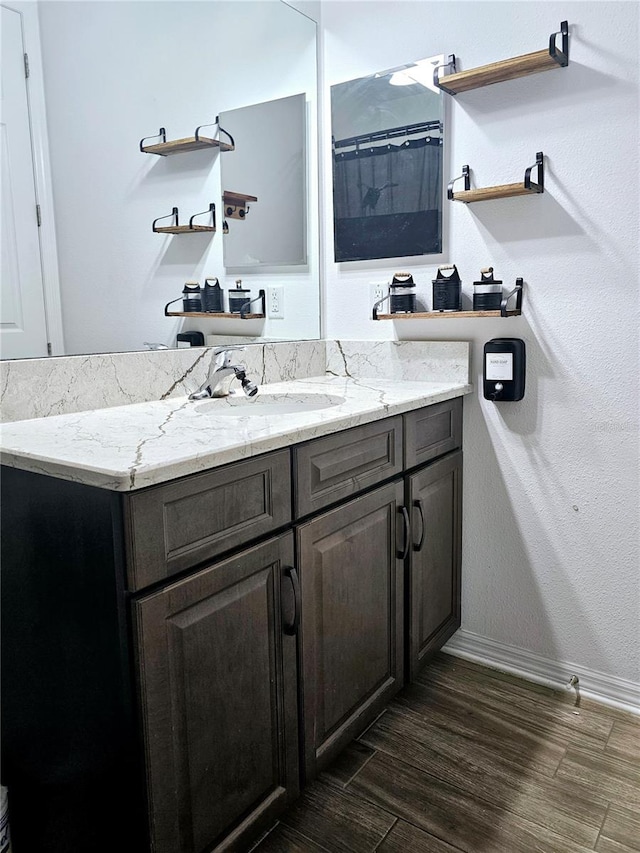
(177, 525)
(432, 431)
(352, 588)
(335, 467)
(218, 688)
(434, 575)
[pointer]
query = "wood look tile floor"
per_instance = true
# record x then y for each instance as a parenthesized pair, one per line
(470, 759)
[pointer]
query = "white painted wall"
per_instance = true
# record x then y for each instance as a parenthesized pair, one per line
(117, 71)
(550, 555)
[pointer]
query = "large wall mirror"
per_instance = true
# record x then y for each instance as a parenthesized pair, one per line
(115, 72)
(387, 135)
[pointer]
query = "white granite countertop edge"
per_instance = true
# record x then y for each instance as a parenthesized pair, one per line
(126, 448)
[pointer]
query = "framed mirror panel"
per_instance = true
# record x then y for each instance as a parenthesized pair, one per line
(387, 140)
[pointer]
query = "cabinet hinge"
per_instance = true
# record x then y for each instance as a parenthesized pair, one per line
(38, 215)
(26, 65)
(49, 349)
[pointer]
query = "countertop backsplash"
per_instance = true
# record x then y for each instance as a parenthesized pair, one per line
(38, 388)
(41, 387)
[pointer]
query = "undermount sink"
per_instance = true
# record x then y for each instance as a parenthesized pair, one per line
(236, 406)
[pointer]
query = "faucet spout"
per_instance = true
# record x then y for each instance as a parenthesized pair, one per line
(221, 373)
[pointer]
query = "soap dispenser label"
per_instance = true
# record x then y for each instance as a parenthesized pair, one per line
(499, 365)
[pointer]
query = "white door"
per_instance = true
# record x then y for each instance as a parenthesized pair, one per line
(23, 328)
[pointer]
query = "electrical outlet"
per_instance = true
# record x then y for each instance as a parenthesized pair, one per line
(377, 290)
(275, 302)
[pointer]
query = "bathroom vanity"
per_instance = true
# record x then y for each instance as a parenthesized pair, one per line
(179, 658)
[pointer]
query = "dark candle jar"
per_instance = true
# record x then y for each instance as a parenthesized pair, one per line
(487, 293)
(402, 292)
(191, 297)
(212, 296)
(238, 296)
(447, 289)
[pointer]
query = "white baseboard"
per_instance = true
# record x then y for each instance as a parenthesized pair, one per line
(607, 689)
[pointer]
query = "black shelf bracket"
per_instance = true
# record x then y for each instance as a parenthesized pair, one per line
(216, 123)
(166, 307)
(451, 65)
(538, 186)
(560, 56)
(173, 215)
(246, 306)
(517, 290)
(211, 210)
(378, 304)
(466, 174)
(161, 135)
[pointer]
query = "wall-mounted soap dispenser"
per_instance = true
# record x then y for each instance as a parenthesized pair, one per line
(504, 369)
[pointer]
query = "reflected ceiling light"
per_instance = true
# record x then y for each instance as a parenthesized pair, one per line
(421, 73)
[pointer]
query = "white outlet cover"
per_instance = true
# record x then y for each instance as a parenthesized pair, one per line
(275, 302)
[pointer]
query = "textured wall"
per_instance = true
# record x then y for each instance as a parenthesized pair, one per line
(551, 484)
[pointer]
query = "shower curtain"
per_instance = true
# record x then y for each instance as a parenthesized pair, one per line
(387, 197)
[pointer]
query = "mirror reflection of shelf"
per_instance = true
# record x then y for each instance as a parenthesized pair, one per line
(236, 204)
(243, 314)
(191, 228)
(504, 311)
(190, 143)
(210, 315)
(507, 69)
(526, 187)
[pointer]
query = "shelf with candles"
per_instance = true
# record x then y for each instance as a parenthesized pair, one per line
(504, 310)
(243, 314)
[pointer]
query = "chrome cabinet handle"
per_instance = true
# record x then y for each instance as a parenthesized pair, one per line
(418, 505)
(402, 553)
(292, 574)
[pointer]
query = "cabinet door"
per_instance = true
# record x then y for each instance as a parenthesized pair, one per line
(435, 499)
(218, 690)
(351, 579)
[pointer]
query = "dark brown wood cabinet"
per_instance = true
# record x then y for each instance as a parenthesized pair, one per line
(351, 578)
(218, 688)
(434, 494)
(165, 672)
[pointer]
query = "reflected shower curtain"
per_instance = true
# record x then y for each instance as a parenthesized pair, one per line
(386, 198)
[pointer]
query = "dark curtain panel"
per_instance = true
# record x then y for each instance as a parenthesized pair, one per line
(387, 198)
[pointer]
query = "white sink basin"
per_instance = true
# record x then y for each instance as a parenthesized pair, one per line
(263, 405)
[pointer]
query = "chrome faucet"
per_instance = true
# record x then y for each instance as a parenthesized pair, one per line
(221, 373)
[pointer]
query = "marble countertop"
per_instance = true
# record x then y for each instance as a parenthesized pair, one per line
(130, 447)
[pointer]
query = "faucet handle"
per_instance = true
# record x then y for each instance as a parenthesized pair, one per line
(222, 356)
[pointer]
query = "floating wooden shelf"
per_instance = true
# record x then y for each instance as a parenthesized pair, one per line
(504, 311)
(527, 187)
(507, 69)
(176, 228)
(453, 315)
(184, 229)
(190, 143)
(487, 193)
